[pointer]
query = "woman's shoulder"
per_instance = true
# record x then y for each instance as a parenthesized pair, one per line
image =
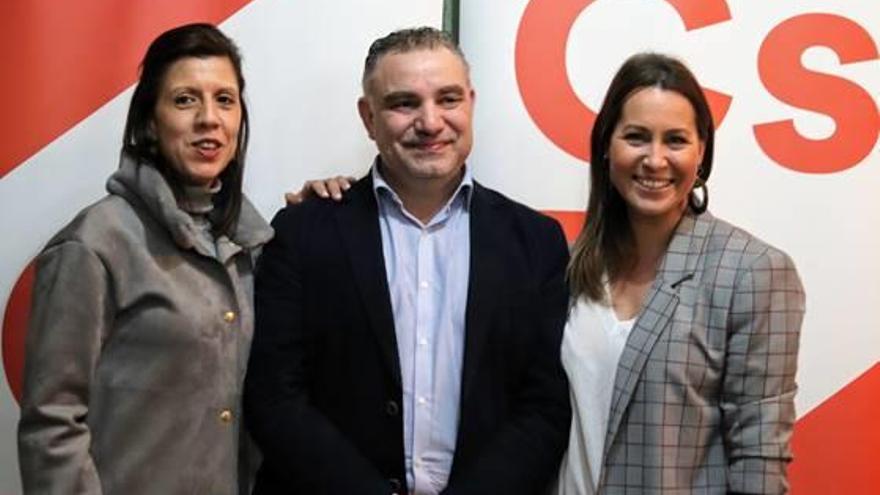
(97, 225)
(733, 246)
(252, 230)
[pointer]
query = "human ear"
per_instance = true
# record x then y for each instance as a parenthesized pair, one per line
(367, 116)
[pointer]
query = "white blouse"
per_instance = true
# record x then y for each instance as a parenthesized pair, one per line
(591, 347)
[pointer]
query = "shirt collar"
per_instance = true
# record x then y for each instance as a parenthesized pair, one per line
(380, 186)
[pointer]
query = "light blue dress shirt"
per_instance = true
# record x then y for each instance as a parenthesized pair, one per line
(427, 266)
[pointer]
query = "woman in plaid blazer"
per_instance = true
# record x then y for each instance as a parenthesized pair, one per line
(681, 344)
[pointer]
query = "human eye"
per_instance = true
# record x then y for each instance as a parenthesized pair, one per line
(635, 137)
(403, 104)
(183, 99)
(678, 140)
(450, 100)
(227, 99)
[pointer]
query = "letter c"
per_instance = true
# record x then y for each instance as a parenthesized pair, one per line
(543, 79)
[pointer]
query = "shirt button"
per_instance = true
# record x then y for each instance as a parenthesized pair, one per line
(422, 401)
(423, 284)
(423, 341)
(391, 408)
(226, 416)
(229, 316)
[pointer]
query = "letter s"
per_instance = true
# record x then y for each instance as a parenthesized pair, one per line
(852, 108)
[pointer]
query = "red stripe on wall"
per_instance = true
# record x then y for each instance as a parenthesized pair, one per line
(63, 60)
(698, 14)
(15, 323)
(837, 444)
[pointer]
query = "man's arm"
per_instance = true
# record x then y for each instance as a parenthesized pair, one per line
(300, 443)
(524, 455)
(759, 380)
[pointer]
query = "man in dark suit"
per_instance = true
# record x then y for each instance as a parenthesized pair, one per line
(408, 336)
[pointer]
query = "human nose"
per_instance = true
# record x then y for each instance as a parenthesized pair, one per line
(430, 119)
(655, 156)
(208, 115)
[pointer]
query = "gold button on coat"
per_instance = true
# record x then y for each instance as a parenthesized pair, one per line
(229, 316)
(226, 416)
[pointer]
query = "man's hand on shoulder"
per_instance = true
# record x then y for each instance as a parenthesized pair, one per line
(329, 188)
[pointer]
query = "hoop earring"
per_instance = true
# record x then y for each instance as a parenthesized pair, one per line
(699, 206)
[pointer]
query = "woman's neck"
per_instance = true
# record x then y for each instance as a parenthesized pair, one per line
(198, 200)
(650, 237)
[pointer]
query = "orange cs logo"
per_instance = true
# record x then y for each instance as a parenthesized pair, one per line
(566, 121)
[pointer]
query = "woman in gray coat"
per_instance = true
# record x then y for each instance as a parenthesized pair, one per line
(142, 316)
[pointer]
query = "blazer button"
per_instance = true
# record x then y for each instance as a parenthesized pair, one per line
(396, 485)
(391, 408)
(229, 316)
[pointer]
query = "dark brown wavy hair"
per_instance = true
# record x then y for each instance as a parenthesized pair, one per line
(191, 40)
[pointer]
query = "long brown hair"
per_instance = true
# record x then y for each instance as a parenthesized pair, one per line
(605, 246)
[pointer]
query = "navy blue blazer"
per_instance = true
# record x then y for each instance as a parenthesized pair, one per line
(323, 389)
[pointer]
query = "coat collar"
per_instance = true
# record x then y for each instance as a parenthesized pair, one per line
(484, 278)
(685, 248)
(679, 265)
(139, 182)
(358, 220)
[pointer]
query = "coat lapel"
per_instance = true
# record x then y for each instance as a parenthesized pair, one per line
(358, 219)
(678, 266)
(484, 280)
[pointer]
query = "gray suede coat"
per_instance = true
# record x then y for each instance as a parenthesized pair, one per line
(135, 356)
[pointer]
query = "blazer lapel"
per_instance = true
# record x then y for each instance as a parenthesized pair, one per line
(484, 281)
(358, 219)
(678, 266)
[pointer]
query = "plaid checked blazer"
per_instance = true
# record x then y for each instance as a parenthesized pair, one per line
(703, 397)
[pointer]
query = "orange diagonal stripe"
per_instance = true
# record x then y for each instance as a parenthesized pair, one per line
(61, 61)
